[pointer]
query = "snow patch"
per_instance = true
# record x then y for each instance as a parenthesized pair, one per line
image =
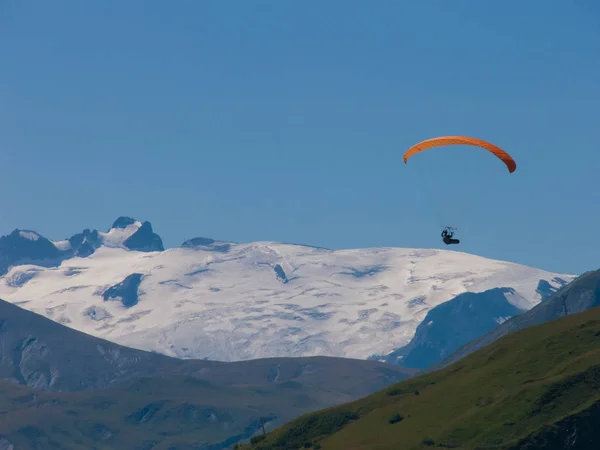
(63, 246)
(31, 235)
(515, 299)
(117, 236)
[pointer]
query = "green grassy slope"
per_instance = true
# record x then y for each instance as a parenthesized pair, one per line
(529, 384)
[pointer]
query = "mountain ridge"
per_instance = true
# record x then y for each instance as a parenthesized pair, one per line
(228, 301)
(578, 296)
(65, 389)
(458, 321)
(42, 354)
(537, 388)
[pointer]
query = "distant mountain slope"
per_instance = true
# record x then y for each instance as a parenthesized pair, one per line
(537, 388)
(226, 301)
(581, 294)
(163, 412)
(43, 354)
(23, 247)
(148, 396)
(450, 325)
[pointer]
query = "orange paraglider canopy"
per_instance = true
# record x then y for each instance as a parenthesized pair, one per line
(462, 140)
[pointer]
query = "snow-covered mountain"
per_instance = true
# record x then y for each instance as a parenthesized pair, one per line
(26, 246)
(228, 301)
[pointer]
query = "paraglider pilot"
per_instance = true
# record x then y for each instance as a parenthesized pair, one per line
(447, 237)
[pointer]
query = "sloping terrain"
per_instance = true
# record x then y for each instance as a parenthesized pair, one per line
(152, 397)
(579, 295)
(228, 302)
(40, 353)
(537, 388)
(454, 323)
(174, 411)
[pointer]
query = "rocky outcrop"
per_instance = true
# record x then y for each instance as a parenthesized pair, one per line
(202, 243)
(27, 247)
(454, 323)
(144, 240)
(126, 290)
(581, 294)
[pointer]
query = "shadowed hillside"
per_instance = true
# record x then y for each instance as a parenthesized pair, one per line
(64, 389)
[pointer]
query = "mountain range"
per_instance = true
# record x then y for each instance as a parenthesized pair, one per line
(113, 341)
(63, 389)
(579, 295)
(533, 383)
(227, 301)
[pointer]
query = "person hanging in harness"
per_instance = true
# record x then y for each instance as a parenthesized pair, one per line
(447, 237)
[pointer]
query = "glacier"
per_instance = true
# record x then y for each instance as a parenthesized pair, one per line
(229, 301)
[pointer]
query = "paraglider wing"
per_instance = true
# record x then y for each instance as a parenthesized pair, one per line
(462, 140)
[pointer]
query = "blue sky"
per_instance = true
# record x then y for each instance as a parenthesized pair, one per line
(287, 121)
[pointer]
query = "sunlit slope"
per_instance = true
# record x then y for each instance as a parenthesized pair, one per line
(528, 387)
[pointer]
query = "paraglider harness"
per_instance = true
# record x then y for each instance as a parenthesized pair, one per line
(447, 236)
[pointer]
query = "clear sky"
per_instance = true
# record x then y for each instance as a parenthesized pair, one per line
(287, 121)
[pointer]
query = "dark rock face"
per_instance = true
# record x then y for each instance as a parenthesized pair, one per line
(581, 294)
(27, 247)
(126, 290)
(123, 222)
(545, 289)
(203, 243)
(85, 243)
(145, 240)
(454, 323)
(280, 274)
(198, 242)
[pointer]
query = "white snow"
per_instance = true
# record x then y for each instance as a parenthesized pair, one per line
(501, 320)
(116, 236)
(31, 235)
(62, 245)
(197, 303)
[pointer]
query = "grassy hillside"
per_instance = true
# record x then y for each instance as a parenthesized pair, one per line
(535, 388)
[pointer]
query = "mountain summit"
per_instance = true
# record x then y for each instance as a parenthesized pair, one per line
(22, 247)
(229, 301)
